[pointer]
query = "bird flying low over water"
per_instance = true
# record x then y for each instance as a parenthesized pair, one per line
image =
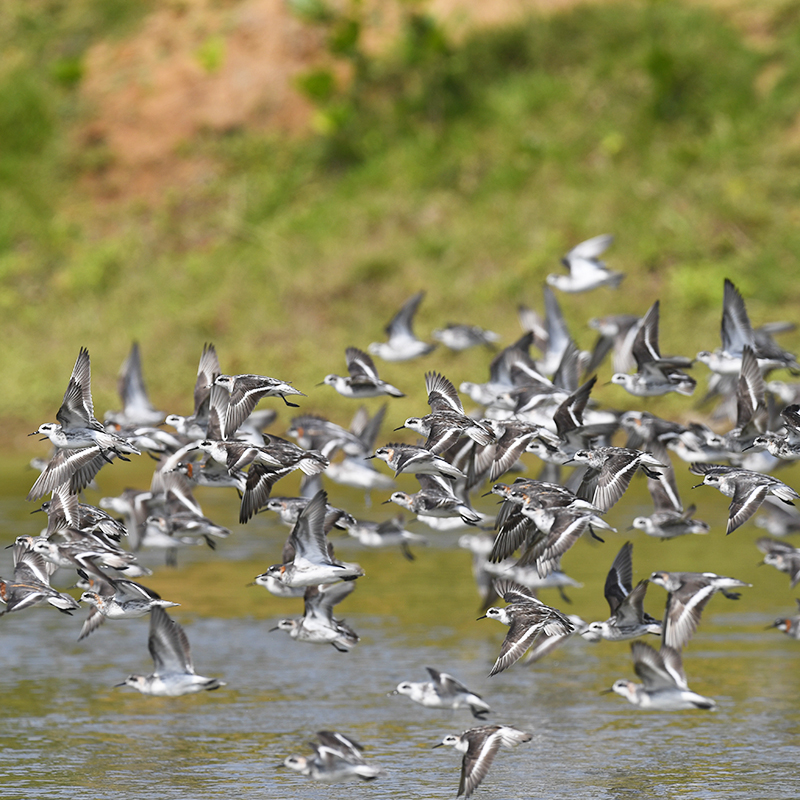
(173, 674)
(526, 617)
(479, 746)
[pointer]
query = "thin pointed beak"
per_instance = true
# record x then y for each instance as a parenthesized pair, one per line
(441, 744)
(607, 691)
(483, 617)
(698, 485)
(400, 428)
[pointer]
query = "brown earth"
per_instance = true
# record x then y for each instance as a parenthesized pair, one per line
(202, 65)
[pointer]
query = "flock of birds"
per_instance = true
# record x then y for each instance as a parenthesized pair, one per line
(540, 406)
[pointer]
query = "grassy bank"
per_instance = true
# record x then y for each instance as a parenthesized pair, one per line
(463, 168)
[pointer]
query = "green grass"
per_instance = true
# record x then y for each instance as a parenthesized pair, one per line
(464, 168)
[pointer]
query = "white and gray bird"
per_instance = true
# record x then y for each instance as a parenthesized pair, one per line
(402, 344)
(664, 686)
(362, 380)
(443, 691)
(747, 489)
(586, 270)
(336, 759)
(173, 674)
(479, 746)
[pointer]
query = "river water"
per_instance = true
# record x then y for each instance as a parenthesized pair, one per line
(66, 731)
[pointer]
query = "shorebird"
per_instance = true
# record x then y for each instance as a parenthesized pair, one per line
(245, 392)
(628, 618)
(586, 270)
(655, 375)
(417, 460)
(173, 674)
(479, 746)
(669, 519)
(389, 533)
(747, 489)
(776, 518)
(31, 584)
(363, 380)
(789, 625)
(402, 345)
(77, 427)
(462, 337)
(447, 421)
(737, 333)
(689, 592)
(443, 691)
(435, 498)
(782, 556)
(526, 617)
(616, 333)
(664, 686)
(311, 564)
(610, 470)
(317, 625)
(196, 425)
(336, 758)
(136, 406)
(117, 599)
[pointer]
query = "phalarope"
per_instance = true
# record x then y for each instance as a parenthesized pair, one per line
(173, 674)
(664, 686)
(461, 337)
(689, 592)
(117, 599)
(136, 406)
(402, 345)
(362, 380)
(526, 617)
(655, 375)
(336, 758)
(610, 472)
(77, 428)
(747, 489)
(782, 556)
(669, 519)
(628, 618)
(789, 625)
(312, 564)
(586, 270)
(479, 746)
(443, 691)
(317, 625)
(31, 584)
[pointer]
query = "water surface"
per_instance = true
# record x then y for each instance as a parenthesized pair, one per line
(65, 731)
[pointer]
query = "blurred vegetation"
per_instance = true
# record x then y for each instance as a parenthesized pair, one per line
(462, 165)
